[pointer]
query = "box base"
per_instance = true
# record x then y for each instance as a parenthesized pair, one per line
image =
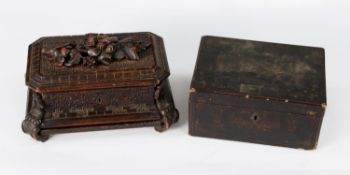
(253, 124)
(150, 107)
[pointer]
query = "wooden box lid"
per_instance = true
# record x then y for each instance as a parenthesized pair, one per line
(276, 72)
(94, 61)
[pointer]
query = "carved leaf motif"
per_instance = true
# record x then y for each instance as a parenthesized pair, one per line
(130, 52)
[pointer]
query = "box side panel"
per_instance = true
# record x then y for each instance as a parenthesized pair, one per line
(253, 124)
(99, 107)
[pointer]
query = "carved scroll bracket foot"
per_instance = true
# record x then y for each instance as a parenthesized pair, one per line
(32, 122)
(165, 105)
(31, 127)
(168, 118)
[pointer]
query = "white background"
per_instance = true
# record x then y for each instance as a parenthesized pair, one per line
(181, 23)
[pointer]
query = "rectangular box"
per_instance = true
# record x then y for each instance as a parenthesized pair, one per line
(258, 92)
(97, 81)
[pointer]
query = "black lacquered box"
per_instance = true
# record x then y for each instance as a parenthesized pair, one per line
(258, 92)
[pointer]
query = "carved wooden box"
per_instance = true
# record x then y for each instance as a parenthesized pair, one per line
(96, 82)
(258, 92)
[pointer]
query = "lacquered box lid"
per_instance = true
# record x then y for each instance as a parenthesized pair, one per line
(261, 69)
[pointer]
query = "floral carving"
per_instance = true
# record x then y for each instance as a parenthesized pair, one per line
(97, 49)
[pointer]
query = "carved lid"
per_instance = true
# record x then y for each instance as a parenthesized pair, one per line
(261, 70)
(96, 61)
